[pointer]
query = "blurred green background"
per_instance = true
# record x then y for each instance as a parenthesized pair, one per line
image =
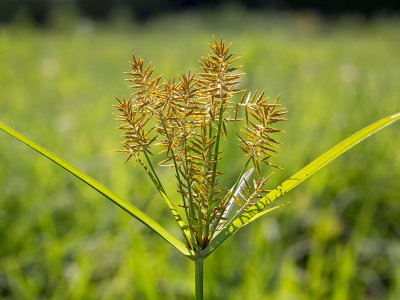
(338, 239)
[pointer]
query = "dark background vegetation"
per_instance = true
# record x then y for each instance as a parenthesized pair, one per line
(39, 10)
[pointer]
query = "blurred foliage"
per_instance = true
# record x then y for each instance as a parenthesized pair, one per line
(340, 237)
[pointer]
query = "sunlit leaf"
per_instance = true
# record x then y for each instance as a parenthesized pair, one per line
(259, 209)
(129, 208)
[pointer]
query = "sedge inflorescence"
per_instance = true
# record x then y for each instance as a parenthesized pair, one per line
(187, 119)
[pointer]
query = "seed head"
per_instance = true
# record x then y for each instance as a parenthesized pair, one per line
(186, 118)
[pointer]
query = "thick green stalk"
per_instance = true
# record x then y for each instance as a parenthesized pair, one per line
(199, 278)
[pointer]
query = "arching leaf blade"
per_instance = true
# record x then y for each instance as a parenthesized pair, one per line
(258, 209)
(129, 208)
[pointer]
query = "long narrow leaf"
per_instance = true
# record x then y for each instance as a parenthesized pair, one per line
(129, 208)
(258, 209)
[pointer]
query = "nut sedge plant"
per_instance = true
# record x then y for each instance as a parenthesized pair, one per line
(187, 120)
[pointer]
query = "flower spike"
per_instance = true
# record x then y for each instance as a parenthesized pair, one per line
(186, 118)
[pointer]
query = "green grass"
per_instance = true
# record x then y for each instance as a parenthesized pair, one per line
(340, 237)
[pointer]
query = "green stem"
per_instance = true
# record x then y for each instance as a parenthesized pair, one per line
(210, 199)
(188, 184)
(176, 169)
(199, 278)
(154, 172)
(156, 181)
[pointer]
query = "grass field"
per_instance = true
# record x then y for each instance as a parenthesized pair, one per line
(338, 239)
